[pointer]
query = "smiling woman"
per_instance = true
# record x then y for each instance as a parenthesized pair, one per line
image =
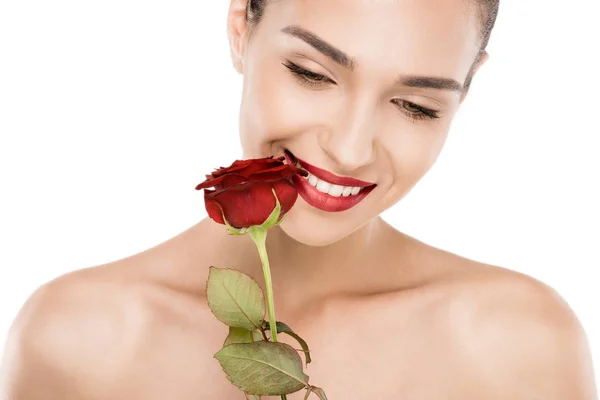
(374, 103)
(359, 96)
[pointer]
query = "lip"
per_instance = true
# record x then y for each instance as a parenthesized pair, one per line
(328, 176)
(323, 201)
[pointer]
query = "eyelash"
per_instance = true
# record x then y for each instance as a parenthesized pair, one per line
(306, 77)
(312, 79)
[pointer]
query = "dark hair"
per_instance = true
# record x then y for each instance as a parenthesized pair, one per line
(487, 11)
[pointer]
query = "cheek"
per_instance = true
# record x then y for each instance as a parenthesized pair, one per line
(413, 153)
(276, 107)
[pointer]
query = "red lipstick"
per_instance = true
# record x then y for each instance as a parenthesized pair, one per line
(331, 178)
(324, 201)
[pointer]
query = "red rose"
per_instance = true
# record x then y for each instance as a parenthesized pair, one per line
(244, 191)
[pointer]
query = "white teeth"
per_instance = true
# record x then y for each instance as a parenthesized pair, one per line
(336, 190)
(323, 186)
(331, 189)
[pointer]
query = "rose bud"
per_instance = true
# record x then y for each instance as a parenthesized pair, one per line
(244, 191)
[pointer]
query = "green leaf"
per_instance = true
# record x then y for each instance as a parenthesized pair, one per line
(252, 397)
(283, 328)
(235, 298)
(238, 335)
(316, 390)
(263, 368)
(241, 335)
(257, 335)
(319, 392)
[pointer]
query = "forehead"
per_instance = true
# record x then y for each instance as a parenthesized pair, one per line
(433, 37)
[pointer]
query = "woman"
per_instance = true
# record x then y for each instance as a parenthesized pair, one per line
(360, 93)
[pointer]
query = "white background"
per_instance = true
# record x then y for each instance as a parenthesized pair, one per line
(107, 110)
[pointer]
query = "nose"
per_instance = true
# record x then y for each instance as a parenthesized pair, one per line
(350, 143)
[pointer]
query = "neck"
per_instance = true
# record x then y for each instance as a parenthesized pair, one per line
(296, 262)
(302, 273)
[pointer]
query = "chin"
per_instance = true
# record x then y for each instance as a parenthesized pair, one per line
(306, 235)
(312, 230)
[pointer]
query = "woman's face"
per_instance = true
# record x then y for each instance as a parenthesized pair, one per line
(382, 82)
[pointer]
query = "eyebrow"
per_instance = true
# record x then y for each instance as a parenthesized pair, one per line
(322, 46)
(431, 83)
(349, 63)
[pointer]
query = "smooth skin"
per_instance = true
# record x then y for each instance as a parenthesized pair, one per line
(386, 315)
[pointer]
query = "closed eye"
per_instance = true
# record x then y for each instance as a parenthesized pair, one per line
(306, 77)
(414, 111)
(309, 78)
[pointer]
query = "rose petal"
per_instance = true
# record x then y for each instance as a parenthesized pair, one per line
(276, 167)
(287, 195)
(271, 175)
(210, 182)
(282, 172)
(222, 182)
(299, 171)
(206, 184)
(247, 204)
(229, 180)
(244, 190)
(235, 166)
(213, 210)
(261, 164)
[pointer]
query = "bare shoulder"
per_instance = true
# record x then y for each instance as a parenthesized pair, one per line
(516, 336)
(68, 325)
(74, 336)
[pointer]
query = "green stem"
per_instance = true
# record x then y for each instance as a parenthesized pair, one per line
(259, 236)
